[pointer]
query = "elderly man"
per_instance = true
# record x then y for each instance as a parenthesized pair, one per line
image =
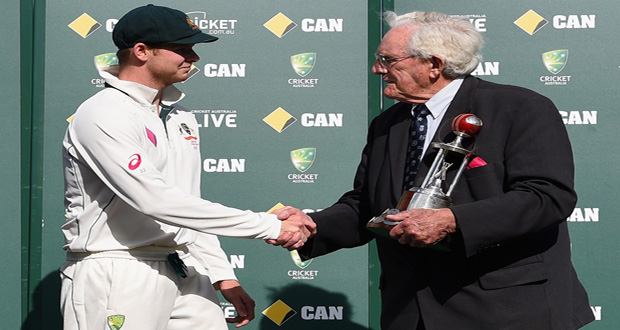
(141, 250)
(509, 260)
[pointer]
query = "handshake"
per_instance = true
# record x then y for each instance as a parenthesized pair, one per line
(297, 227)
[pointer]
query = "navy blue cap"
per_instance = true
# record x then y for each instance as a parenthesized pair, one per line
(152, 24)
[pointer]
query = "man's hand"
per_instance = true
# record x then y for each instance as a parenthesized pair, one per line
(297, 227)
(422, 227)
(241, 300)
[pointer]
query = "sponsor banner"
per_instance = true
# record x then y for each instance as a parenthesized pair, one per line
(281, 101)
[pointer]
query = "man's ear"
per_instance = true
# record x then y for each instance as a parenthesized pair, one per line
(141, 51)
(437, 65)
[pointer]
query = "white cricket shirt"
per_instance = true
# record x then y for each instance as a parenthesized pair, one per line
(126, 176)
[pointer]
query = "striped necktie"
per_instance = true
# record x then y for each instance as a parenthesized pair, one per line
(417, 136)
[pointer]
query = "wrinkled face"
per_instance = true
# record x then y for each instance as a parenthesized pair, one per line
(407, 79)
(171, 63)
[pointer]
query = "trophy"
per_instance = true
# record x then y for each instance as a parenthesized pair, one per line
(430, 195)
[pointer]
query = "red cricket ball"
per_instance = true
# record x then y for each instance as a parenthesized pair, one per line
(466, 124)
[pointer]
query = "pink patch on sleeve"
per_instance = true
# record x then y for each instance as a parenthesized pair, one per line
(151, 136)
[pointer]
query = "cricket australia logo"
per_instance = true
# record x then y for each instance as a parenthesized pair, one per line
(115, 322)
(555, 60)
(303, 63)
(302, 274)
(303, 158)
(297, 260)
(103, 61)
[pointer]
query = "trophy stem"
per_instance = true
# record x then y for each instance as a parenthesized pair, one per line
(457, 176)
(434, 166)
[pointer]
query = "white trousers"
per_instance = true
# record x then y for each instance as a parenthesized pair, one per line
(136, 290)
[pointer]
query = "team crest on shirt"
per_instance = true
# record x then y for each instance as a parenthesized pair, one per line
(115, 322)
(188, 133)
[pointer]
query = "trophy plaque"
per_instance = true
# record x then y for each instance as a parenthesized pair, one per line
(431, 195)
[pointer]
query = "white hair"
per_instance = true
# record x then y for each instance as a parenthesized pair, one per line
(453, 38)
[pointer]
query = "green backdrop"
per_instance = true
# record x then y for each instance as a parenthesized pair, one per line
(287, 77)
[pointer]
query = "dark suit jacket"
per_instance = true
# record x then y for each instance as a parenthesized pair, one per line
(510, 265)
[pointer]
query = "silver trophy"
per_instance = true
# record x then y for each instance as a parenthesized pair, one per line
(431, 195)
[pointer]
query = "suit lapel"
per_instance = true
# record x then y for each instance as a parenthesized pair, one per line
(397, 149)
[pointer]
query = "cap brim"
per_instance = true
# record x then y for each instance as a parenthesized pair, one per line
(196, 39)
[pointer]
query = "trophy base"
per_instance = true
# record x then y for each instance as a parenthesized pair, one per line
(382, 226)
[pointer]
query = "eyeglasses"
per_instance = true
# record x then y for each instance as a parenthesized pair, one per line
(386, 61)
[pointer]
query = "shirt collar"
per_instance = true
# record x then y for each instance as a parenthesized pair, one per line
(440, 101)
(142, 94)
